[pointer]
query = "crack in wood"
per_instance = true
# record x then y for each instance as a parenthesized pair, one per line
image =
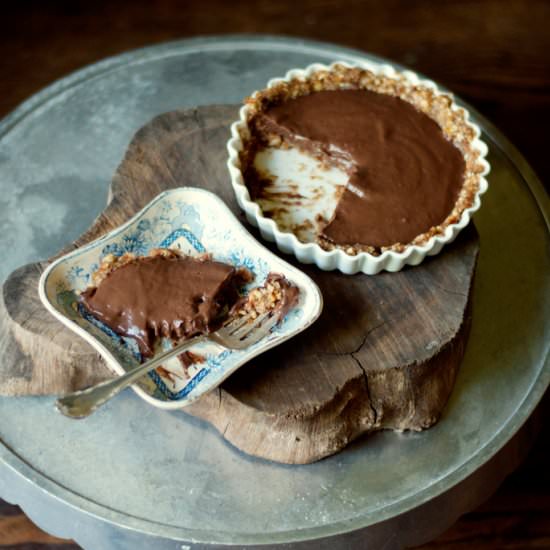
(170, 172)
(358, 348)
(448, 291)
(25, 320)
(226, 428)
(367, 388)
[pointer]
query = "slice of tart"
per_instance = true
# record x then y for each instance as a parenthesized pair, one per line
(170, 295)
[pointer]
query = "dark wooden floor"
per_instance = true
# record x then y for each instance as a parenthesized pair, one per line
(494, 53)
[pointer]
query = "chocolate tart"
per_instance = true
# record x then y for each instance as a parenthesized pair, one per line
(165, 294)
(170, 295)
(413, 162)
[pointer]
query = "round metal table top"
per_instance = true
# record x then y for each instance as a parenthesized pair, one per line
(134, 476)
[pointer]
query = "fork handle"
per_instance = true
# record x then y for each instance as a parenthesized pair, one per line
(82, 403)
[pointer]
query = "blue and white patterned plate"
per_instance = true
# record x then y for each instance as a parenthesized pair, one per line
(194, 221)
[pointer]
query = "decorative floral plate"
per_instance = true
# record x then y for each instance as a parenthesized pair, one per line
(194, 221)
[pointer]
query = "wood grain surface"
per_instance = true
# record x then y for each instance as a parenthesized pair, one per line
(383, 354)
(495, 54)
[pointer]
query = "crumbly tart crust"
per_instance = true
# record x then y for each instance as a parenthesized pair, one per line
(276, 296)
(440, 107)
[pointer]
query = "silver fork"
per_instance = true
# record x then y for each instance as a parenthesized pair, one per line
(238, 333)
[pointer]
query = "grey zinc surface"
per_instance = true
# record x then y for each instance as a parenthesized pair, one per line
(132, 476)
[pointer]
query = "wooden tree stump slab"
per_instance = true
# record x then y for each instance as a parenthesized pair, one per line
(384, 353)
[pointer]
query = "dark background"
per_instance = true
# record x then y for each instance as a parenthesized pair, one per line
(495, 54)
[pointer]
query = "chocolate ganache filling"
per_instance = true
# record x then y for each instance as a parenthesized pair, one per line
(404, 174)
(175, 297)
